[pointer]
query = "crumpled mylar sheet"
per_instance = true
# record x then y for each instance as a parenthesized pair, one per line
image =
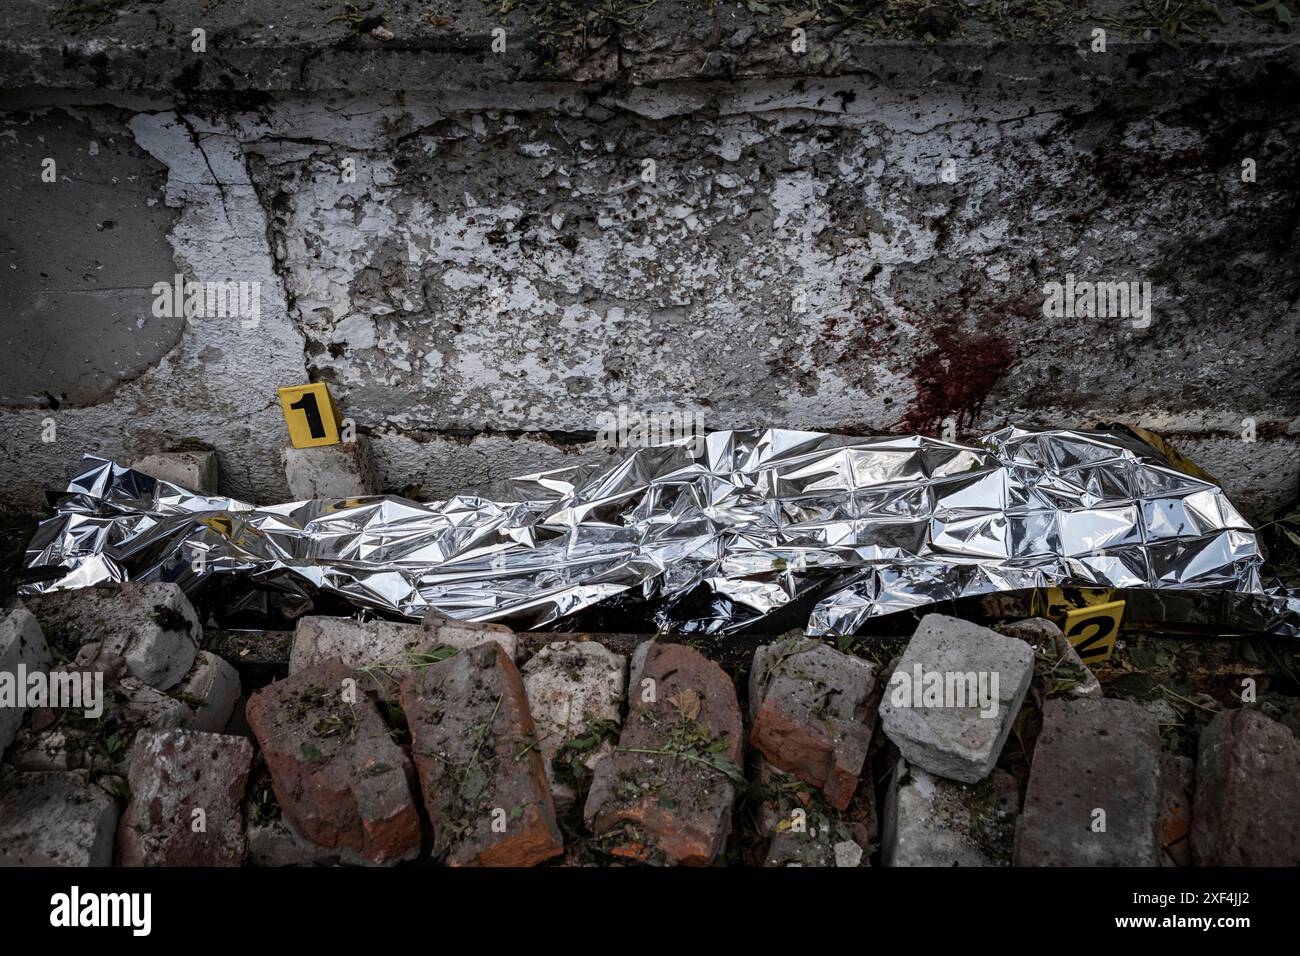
(858, 528)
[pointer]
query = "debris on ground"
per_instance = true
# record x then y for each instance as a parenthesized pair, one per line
(953, 699)
(479, 763)
(361, 742)
(1094, 788)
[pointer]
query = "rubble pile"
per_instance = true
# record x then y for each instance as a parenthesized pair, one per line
(445, 742)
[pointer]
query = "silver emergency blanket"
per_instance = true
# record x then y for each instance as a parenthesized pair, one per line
(754, 520)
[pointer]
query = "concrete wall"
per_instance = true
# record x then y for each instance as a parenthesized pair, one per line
(843, 252)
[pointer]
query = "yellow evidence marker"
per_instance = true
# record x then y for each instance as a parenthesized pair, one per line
(311, 415)
(1092, 630)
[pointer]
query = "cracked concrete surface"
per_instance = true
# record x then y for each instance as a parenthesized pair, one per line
(81, 244)
(501, 271)
(798, 260)
(216, 384)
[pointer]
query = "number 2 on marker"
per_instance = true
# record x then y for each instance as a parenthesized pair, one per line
(1092, 630)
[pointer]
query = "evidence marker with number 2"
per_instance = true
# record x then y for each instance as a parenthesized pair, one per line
(1092, 630)
(311, 415)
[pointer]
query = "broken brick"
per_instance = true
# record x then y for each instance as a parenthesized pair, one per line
(150, 630)
(186, 788)
(811, 714)
(671, 782)
(575, 693)
(1247, 776)
(211, 690)
(338, 776)
(480, 769)
(65, 738)
(1063, 671)
(55, 819)
(384, 652)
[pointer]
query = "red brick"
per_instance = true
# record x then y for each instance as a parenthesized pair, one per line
(172, 774)
(667, 785)
(480, 769)
(338, 776)
(812, 714)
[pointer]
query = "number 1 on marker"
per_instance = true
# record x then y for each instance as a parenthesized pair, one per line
(310, 414)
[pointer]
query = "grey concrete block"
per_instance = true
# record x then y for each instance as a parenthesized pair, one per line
(151, 628)
(930, 821)
(344, 470)
(1064, 672)
(55, 819)
(192, 470)
(211, 690)
(387, 651)
(22, 651)
(1094, 796)
(571, 685)
(981, 678)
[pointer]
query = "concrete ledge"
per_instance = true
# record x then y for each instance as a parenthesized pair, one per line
(264, 46)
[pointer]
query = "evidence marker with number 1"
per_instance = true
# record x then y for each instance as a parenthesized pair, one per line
(311, 415)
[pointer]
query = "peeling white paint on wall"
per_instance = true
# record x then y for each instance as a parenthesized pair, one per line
(499, 270)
